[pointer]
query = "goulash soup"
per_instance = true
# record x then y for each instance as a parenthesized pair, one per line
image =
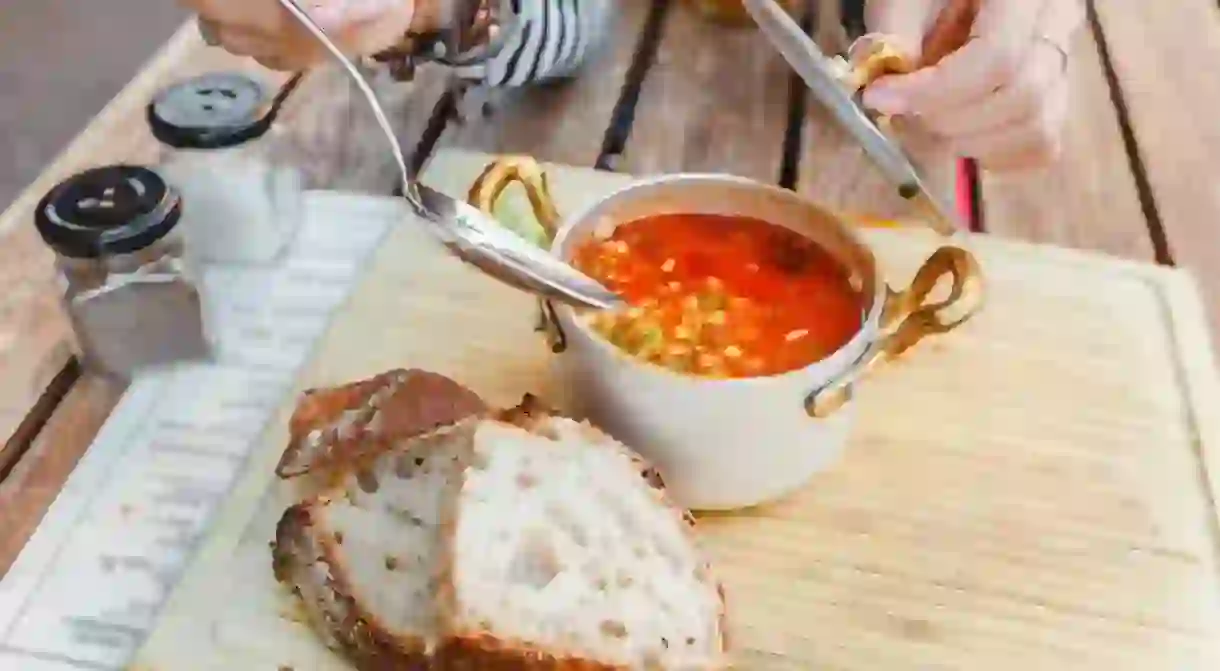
(721, 296)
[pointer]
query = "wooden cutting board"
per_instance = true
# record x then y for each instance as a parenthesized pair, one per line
(1035, 491)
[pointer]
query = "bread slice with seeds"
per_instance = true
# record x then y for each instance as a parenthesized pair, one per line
(362, 557)
(334, 428)
(561, 551)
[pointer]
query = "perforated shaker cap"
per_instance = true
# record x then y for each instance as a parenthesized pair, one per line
(212, 111)
(116, 209)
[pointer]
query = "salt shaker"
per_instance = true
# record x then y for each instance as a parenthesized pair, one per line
(243, 203)
(128, 288)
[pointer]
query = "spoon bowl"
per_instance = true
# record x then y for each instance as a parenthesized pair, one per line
(472, 235)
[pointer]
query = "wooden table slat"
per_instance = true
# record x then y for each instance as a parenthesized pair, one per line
(715, 100)
(29, 490)
(562, 121)
(328, 130)
(1088, 199)
(1165, 58)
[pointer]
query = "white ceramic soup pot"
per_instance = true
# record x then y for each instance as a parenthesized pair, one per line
(731, 443)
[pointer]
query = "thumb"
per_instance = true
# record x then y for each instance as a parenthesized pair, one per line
(902, 23)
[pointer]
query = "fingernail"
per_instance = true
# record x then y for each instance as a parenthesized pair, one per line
(884, 100)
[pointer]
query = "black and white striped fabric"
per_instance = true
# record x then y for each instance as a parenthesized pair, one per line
(543, 39)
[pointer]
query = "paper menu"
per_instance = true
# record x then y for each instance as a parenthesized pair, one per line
(88, 585)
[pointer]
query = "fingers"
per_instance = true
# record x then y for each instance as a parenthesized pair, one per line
(334, 14)
(240, 41)
(277, 62)
(261, 15)
(1016, 100)
(1003, 96)
(962, 77)
(263, 30)
(243, 42)
(1002, 34)
(1028, 142)
(371, 35)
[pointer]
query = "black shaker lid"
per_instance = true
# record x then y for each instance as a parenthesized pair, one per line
(111, 210)
(212, 111)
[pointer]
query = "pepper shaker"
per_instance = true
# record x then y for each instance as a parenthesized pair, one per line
(128, 288)
(244, 202)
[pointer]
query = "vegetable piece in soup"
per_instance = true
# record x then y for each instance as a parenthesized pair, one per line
(721, 296)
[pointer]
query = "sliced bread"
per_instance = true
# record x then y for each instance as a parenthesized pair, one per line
(331, 429)
(362, 558)
(561, 551)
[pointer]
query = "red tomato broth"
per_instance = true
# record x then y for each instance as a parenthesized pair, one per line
(722, 296)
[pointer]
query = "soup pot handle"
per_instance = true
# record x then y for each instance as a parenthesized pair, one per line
(524, 170)
(907, 317)
(487, 190)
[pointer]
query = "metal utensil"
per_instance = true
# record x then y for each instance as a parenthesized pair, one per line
(472, 32)
(803, 54)
(474, 236)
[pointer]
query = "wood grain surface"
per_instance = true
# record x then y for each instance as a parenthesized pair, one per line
(1023, 493)
(328, 129)
(1088, 198)
(35, 481)
(564, 120)
(1164, 61)
(835, 171)
(715, 100)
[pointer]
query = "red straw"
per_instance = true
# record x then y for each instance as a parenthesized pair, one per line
(965, 195)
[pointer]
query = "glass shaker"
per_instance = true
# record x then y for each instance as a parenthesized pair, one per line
(244, 205)
(130, 293)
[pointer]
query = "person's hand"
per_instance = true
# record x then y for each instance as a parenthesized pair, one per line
(1002, 97)
(265, 31)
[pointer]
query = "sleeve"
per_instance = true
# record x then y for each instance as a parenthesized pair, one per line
(548, 39)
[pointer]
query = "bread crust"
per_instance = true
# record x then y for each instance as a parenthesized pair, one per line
(463, 648)
(336, 429)
(308, 558)
(300, 546)
(484, 652)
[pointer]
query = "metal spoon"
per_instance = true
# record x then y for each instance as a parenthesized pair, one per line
(474, 236)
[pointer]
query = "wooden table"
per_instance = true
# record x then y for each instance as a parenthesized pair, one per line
(658, 100)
